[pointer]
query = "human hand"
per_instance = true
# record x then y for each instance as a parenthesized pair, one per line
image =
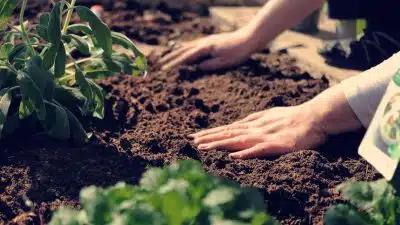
(225, 50)
(269, 132)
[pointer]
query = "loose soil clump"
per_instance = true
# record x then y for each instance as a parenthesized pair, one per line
(147, 123)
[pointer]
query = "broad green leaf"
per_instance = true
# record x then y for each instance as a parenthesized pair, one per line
(66, 38)
(11, 125)
(43, 79)
(78, 133)
(44, 19)
(70, 97)
(113, 65)
(100, 30)
(80, 28)
(5, 102)
(57, 121)
(5, 50)
(54, 27)
(99, 97)
(345, 215)
(49, 57)
(81, 44)
(93, 93)
(6, 9)
(31, 97)
(220, 196)
(18, 51)
(60, 61)
(124, 41)
(95, 203)
(26, 108)
(42, 32)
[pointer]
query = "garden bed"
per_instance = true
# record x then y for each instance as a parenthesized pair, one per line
(147, 123)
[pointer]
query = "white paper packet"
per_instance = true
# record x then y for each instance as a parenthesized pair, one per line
(381, 144)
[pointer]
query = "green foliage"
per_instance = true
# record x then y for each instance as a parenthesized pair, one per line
(6, 9)
(374, 203)
(180, 194)
(44, 89)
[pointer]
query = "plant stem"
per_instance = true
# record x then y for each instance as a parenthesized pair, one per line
(24, 34)
(69, 15)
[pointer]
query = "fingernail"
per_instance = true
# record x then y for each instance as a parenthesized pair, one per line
(203, 147)
(190, 136)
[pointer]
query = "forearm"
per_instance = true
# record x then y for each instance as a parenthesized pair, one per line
(352, 104)
(333, 112)
(277, 16)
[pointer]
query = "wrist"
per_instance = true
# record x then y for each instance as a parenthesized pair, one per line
(250, 39)
(332, 112)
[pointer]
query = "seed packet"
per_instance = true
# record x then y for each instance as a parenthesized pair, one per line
(381, 144)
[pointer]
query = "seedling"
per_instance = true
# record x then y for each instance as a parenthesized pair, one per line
(42, 86)
(180, 194)
(374, 203)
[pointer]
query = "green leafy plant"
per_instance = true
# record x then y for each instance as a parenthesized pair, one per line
(180, 194)
(369, 203)
(42, 85)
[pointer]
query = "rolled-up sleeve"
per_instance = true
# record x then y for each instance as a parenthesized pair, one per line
(365, 91)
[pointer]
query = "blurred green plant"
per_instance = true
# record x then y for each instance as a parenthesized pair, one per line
(42, 85)
(180, 194)
(369, 203)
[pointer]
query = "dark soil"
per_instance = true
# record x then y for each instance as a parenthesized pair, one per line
(147, 120)
(153, 26)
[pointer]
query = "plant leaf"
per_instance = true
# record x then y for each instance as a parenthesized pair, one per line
(93, 93)
(81, 44)
(80, 28)
(345, 215)
(60, 61)
(100, 30)
(44, 19)
(42, 78)
(57, 121)
(72, 98)
(54, 26)
(6, 9)
(32, 100)
(18, 51)
(124, 41)
(42, 32)
(78, 133)
(49, 57)
(5, 50)
(5, 102)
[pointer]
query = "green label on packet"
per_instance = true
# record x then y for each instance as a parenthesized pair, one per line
(396, 78)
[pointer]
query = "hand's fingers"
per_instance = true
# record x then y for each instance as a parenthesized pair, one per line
(232, 144)
(251, 117)
(219, 129)
(189, 56)
(175, 53)
(261, 150)
(216, 63)
(220, 136)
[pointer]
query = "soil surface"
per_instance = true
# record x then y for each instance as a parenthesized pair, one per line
(147, 121)
(159, 25)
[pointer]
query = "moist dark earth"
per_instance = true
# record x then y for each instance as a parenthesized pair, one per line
(160, 25)
(147, 123)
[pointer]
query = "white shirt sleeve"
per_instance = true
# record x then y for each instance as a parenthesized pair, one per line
(365, 91)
